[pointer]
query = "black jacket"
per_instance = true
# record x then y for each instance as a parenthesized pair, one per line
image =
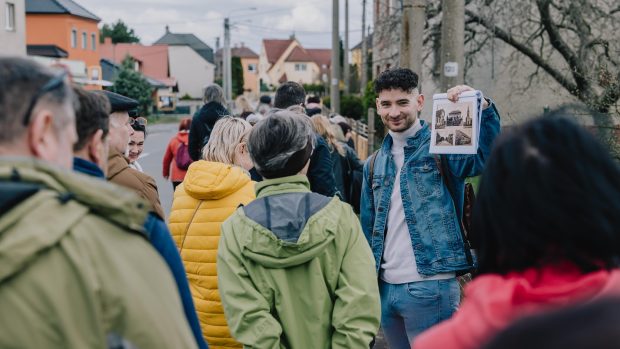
(202, 124)
(320, 173)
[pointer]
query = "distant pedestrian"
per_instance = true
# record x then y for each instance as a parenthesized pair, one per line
(292, 265)
(339, 155)
(292, 95)
(205, 119)
(118, 171)
(136, 143)
(213, 188)
(76, 266)
(264, 105)
(313, 106)
(546, 225)
(176, 158)
(347, 131)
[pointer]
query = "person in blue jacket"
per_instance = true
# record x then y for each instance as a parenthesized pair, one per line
(90, 157)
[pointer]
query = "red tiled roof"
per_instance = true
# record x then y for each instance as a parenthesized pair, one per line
(274, 48)
(318, 55)
(153, 59)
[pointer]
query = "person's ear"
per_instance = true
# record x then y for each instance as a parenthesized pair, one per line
(96, 148)
(377, 103)
(42, 138)
(420, 100)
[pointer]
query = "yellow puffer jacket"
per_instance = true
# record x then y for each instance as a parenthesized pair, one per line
(210, 193)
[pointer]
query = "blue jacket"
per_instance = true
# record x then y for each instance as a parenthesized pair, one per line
(159, 236)
(321, 172)
(431, 215)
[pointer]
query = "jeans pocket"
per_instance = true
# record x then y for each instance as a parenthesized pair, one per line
(424, 290)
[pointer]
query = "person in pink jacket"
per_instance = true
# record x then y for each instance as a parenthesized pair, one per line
(546, 224)
(171, 170)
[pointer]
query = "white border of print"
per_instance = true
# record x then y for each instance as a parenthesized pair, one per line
(448, 106)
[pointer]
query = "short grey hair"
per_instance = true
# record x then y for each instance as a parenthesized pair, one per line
(276, 138)
(20, 79)
(214, 93)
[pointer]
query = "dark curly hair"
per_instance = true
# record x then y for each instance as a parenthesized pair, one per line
(397, 78)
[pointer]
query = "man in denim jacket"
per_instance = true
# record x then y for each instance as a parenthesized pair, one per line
(408, 215)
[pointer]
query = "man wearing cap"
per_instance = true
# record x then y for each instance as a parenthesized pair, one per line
(292, 265)
(90, 152)
(119, 171)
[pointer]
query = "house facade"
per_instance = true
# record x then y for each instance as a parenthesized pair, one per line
(12, 28)
(66, 25)
(190, 61)
(249, 62)
(287, 60)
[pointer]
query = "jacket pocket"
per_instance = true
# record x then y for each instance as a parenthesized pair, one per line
(426, 178)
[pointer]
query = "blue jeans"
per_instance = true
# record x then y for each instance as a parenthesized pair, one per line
(409, 309)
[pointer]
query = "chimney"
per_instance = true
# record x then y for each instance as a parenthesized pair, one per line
(107, 41)
(217, 44)
(242, 44)
(167, 29)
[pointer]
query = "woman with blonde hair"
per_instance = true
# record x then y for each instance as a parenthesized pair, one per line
(344, 161)
(213, 188)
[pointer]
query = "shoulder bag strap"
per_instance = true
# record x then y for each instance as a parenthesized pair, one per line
(188, 224)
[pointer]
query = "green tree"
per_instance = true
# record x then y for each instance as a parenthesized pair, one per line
(132, 84)
(237, 76)
(351, 106)
(119, 32)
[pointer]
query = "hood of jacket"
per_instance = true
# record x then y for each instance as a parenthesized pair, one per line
(206, 180)
(287, 225)
(33, 193)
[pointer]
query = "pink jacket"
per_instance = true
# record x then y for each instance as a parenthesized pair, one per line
(177, 174)
(492, 302)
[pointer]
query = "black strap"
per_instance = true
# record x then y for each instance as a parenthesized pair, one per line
(371, 167)
(442, 163)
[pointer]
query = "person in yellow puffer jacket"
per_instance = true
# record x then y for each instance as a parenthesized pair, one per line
(212, 190)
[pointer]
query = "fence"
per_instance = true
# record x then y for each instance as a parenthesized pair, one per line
(363, 135)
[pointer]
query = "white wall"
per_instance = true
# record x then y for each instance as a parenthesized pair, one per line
(192, 71)
(309, 76)
(13, 43)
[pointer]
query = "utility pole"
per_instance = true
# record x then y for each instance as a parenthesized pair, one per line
(345, 64)
(363, 68)
(452, 43)
(227, 81)
(335, 80)
(405, 34)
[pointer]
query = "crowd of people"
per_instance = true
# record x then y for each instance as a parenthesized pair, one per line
(279, 236)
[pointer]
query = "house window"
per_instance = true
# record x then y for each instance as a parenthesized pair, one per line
(84, 40)
(93, 41)
(300, 67)
(252, 67)
(10, 16)
(73, 38)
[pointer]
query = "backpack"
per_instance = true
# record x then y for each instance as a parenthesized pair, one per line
(182, 158)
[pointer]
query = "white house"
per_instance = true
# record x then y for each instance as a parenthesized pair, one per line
(12, 28)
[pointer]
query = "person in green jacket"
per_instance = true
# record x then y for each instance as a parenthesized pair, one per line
(76, 269)
(294, 269)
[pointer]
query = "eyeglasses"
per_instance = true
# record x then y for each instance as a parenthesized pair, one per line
(139, 121)
(54, 83)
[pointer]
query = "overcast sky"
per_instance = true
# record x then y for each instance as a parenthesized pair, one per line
(310, 20)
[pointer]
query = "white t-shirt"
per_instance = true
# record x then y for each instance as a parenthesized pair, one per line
(398, 265)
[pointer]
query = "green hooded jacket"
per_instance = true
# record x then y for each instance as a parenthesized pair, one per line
(75, 267)
(295, 271)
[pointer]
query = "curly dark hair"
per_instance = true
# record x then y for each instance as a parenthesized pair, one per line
(397, 78)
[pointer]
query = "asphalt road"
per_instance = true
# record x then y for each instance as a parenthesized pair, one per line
(152, 157)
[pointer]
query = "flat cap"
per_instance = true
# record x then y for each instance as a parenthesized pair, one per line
(122, 103)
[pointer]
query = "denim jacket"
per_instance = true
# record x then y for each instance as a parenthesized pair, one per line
(431, 215)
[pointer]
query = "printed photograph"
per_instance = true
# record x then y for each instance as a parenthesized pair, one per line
(462, 137)
(445, 138)
(440, 119)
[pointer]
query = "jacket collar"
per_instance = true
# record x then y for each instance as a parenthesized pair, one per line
(290, 184)
(415, 142)
(88, 168)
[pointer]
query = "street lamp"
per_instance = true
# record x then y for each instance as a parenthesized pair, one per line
(226, 57)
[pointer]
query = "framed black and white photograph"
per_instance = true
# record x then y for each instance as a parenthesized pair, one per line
(455, 125)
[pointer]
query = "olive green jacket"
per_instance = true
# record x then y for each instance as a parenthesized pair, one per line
(75, 267)
(295, 271)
